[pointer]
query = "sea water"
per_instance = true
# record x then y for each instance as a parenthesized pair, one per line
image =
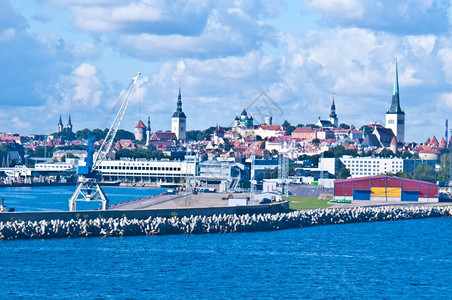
(57, 197)
(381, 260)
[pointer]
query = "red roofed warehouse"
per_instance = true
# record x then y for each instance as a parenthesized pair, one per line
(385, 188)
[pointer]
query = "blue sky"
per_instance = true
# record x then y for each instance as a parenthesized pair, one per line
(76, 56)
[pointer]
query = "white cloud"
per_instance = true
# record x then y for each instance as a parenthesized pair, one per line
(352, 9)
(7, 34)
(20, 124)
(399, 17)
(445, 102)
(88, 88)
(422, 44)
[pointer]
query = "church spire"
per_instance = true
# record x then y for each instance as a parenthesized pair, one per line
(395, 105)
(179, 102)
(179, 113)
(333, 110)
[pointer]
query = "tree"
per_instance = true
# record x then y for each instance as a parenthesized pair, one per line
(403, 175)
(66, 135)
(343, 173)
(124, 135)
(425, 173)
(344, 126)
(315, 141)
(271, 173)
(194, 135)
(444, 162)
(386, 153)
(287, 127)
(366, 130)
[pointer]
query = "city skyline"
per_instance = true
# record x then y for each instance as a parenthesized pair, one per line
(74, 58)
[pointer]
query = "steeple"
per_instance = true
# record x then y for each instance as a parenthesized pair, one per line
(333, 110)
(178, 121)
(179, 113)
(395, 105)
(69, 124)
(333, 116)
(60, 125)
(395, 116)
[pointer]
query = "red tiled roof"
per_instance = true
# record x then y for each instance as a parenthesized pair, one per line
(140, 124)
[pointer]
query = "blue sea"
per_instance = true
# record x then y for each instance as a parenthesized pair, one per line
(382, 260)
(57, 197)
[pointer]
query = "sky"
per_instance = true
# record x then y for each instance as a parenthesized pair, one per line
(287, 59)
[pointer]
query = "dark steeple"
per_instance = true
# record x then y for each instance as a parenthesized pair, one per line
(179, 113)
(69, 123)
(333, 110)
(395, 105)
(60, 122)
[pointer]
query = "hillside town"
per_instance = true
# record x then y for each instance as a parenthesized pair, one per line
(241, 156)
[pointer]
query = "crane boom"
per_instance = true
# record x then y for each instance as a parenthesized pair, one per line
(109, 139)
(88, 189)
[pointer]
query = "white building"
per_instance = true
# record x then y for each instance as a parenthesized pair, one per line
(152, 171)
(363, 166)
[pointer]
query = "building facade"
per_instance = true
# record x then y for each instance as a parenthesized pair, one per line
(371, 166)
(162, 172)
(385, 188)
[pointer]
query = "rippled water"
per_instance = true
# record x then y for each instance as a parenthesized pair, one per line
(403, 259)
(57, 197)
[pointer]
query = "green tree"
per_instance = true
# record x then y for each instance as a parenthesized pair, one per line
(124, 135)
(425, 173)
(343, 173)
(287, 127)
(386, 153)
(344, 126)
(444, 172)
(271, 173)
(403, 175)
(83, 134)
(66, 135)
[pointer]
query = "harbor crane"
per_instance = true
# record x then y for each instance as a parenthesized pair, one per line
(88, 189)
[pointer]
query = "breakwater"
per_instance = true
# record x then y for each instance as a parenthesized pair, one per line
(222, 223)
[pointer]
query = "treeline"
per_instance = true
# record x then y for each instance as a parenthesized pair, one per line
(99, 134)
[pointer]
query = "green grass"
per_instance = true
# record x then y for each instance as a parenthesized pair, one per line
(302, 203)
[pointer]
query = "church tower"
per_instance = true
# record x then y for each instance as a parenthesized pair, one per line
(60, 125)
(333, 117)
(395, 117)
(69, 124)
(178, 125)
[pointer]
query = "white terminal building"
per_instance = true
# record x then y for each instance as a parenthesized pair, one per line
(152, 171)
(362, 166)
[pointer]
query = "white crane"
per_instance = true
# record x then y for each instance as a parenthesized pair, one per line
(88, 189)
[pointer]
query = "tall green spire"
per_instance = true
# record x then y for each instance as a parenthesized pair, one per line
(396, 80)
(395, 105)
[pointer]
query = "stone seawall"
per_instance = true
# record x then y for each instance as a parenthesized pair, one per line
(222, 223)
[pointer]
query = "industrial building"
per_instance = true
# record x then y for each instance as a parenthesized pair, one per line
(371, 166)
(385, 188)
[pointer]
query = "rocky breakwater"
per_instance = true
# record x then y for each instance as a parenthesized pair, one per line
(222, 223)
